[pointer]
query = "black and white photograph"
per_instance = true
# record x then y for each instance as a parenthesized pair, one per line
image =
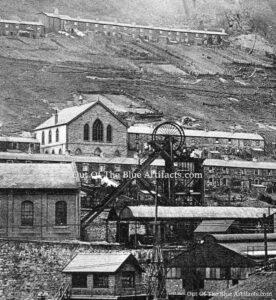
(137, 149)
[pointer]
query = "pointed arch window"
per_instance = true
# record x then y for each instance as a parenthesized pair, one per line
(27, 213)
(97, 152)
(109, 133)
(97, 135)
(61, 213)
(50, 137)
(57, 135)
(43, 138)
(86, 132)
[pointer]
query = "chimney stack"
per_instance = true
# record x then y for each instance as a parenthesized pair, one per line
(80, 99)
(56, 117)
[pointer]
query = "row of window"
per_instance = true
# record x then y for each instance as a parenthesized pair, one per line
(49, 137)
(243, 171)
(97, 132)
(101, 280)
(27, 213)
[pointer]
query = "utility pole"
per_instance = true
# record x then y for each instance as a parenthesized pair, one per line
(265, 239)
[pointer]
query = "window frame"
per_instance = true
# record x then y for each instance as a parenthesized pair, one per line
(86, 132)
(76, 281)
(98, 131)
(109, 133)
(128, 279)
(27, 215)
(101, 280)
(57, 135)
(60, 214)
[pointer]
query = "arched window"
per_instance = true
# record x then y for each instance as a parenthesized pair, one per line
(78, 151)
(117, 153)
(50, 137)
(53, 151)
(61, 213)
(57, 135)
(43, 138)
(86, 132)
(109, 133)
(27, 213)
(97, 152)
(46, 152)
(59, 151)
(97, 131)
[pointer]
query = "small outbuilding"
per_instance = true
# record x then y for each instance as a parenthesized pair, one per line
(105, 276)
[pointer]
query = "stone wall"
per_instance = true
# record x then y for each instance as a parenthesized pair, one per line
(28, 268)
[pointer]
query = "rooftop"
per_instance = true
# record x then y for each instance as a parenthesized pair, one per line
(270, 165)
(98, 262)
(64, 17)
(194, 212)
(18, 139)
(38, 176)
(202, 133)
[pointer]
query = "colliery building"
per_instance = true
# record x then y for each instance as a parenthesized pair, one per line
(55, 22)
(39, 201)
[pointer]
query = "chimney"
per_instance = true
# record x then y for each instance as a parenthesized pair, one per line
(80, 99)
(56, 12)
(254, 159)
(56, 117)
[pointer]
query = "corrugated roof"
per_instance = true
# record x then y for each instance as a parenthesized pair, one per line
(270, 165)
(97, 262)
(66, 115)
(18, 139)
(194, 212)
(214, 226)
(241, 237)
(202, 133)
(38, 176)
(64, 17)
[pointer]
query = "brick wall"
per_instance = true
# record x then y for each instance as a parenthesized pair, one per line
(119, 133)
(44, 215)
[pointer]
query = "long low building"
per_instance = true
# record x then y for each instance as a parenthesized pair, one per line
(184, 223)
(19, 144)
(239, 175)
(220, 142)
(58, 22)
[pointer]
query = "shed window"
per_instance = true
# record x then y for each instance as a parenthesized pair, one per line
(79, 280)
(97, 131)
(43, 138)
(128, 279)
(57, 135)
(100, 280)
(27, 213)
(109, 133)
(50, 137)
(61, 213)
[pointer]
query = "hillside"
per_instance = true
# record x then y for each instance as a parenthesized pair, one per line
(221, 88)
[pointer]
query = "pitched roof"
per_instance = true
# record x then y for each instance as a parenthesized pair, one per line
(18, 139)
(97, 262)
(38, 176)
(201, 133)
(65, 17)
(66, 115)
(270, 165)
(69, 114)
(194, 212)
(214, 226)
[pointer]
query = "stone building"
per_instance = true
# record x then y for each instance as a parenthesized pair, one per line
(23, 28)
(90, 129)
(55, 22)
(39, 201)
(105, 276)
